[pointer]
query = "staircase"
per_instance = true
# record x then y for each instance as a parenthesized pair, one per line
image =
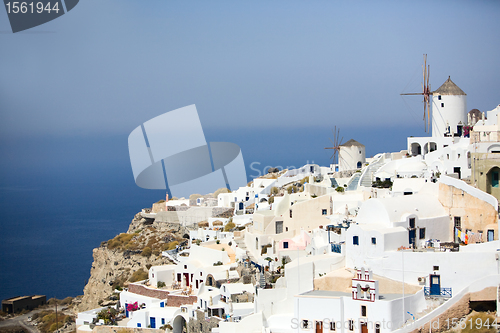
(366, 178)
(353, 184)
(262, 280)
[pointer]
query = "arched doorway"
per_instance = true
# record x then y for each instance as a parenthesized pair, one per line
(416, 149)
(179, 324)
(493, 181)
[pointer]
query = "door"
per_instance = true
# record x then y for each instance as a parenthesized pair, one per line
(126, 311)
(411, 237)
(435, 285)
(319, 327)
(491, 235)
(186, 276)
(364, 328)
(152, 322)
(457, 171)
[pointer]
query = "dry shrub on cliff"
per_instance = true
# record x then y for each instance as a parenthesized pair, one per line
(146, 252)
(48, 322)
(120, 241)
(139, 275)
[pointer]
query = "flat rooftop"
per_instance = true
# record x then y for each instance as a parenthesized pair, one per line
(331, 294)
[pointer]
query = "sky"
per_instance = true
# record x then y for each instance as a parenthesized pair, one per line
(273, 77)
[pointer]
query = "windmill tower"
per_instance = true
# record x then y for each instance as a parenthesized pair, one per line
(449, 106)
(352, 155)
(449, 110)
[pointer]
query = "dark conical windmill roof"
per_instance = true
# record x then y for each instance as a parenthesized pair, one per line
(351, 143)
(449, 88)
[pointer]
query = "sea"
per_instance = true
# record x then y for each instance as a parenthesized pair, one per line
(61, 196)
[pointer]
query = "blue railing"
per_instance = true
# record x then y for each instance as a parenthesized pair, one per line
(445, 292)
(336, 248)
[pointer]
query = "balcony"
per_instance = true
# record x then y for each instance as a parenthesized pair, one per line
(443, 292)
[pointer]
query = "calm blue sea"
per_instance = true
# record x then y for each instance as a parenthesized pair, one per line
(60, 197)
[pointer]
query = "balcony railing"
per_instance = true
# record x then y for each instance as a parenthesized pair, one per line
(443, 292)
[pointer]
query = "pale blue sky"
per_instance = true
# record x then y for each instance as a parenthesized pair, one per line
(107, 66)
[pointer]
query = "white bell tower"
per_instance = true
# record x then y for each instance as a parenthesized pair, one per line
(449, 110)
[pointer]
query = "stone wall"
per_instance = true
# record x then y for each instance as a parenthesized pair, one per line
(144, 291)
(116, 329)
(202, 325)
(475, 214)
(174, 300)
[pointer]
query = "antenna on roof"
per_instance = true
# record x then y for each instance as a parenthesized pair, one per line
(426, 92)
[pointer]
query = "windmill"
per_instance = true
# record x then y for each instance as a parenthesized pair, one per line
(426, 92)
(336, 145)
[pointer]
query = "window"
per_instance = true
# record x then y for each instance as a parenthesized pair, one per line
(285, 245)
(201, 273)
(377, 328)
(323, 212)
(163, 321)
(442, 105)
(494, 179)
(332, 325)
(286, 228)
(363, 310)
(162, 304)
(407, 193)
(458, 223)
(138, 324)
(374, 241)
(422, 233)
(351, 325)
(290, 213)
(439, 97)
(279, 227)
(412, 222)
(185, 266)
(355, 240)
(305, 324)
(435, 268)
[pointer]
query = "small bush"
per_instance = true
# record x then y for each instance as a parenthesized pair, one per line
(160, 201)
(198, 242)
(271, 200)
(221, 190)
(146, 252)
(264, 248)
(139, 275)
(160, 284)
(274, 190)
(339, 189)
(218, 263)
(172, 245)
(217, 241)
(229, 226)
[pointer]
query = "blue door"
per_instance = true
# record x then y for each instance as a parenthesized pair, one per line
(435, 285)
(152, 322)
(491, 235)
(411, 237)
(126, 311)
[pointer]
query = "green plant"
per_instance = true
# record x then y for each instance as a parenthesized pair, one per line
(160, 201)
(146, 252)
(160, 284)
(339, 189)
(274, 190)
(219, 191)
(218, 263)
(313, 196)
(217, 241)
(139, 275)
(264, 248)
(271, 200)
(198, 242)
(229, 226)
(292, 189)
(223, 249)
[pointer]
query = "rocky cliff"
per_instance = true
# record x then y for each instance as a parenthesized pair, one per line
(127, 258)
